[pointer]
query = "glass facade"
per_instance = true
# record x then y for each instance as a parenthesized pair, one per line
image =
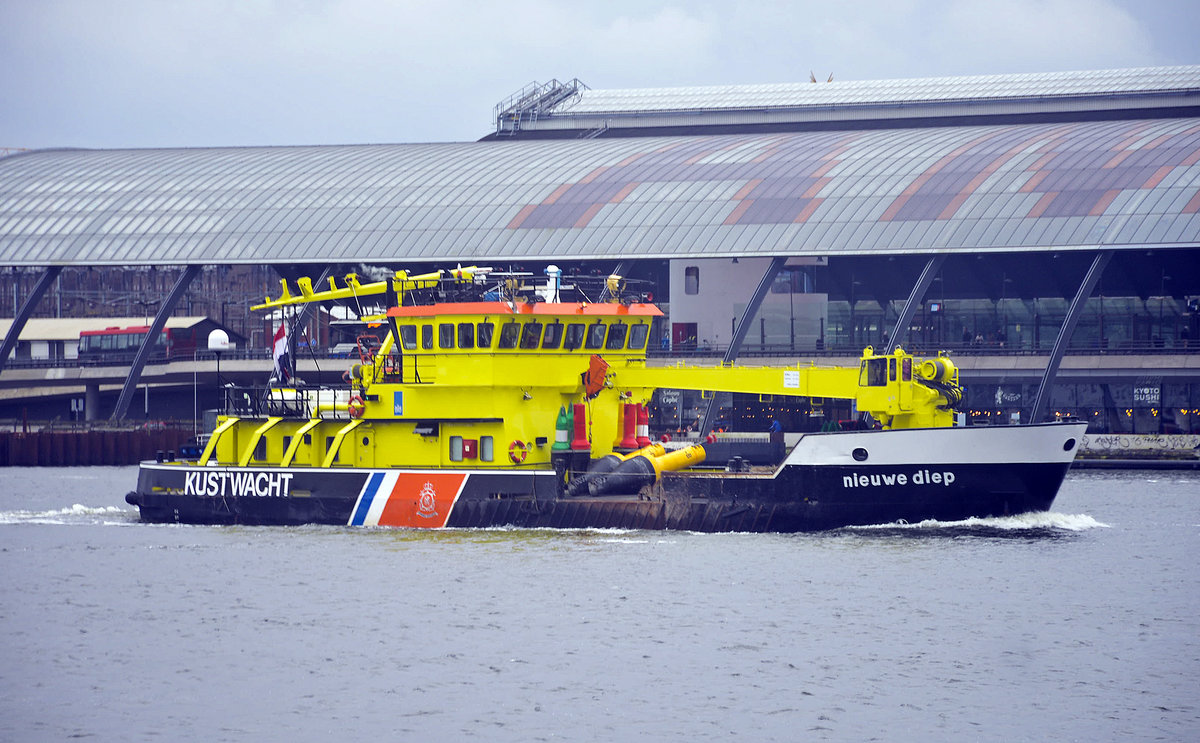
(1148, 406)
(1107, 324)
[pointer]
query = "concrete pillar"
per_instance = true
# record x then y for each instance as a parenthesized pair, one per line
(91, 402)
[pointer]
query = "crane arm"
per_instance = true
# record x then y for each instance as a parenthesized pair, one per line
(897, 389)
(402, 282)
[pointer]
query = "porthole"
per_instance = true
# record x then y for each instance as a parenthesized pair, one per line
(1069, 445)
(859, 454)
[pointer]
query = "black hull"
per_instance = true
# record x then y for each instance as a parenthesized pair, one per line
(745, 506)
(821, 486)
(693, 503)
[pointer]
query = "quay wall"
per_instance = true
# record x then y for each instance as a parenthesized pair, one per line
(1122, 443)
(50, 448)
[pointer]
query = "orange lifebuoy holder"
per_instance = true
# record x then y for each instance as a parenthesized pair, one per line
(517, 451)
(356, 407)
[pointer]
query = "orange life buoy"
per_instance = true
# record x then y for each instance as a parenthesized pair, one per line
(356, 407)
(517, 451)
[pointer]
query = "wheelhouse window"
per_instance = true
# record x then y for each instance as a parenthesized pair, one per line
(637, 336)
(408, 337)
(509, 333)
(552, 338)
(531, 335)
(466, 335)
(484, 334)
(595, 335)
(616, 337)
(427, 336)
(574, 336)
(446, 335)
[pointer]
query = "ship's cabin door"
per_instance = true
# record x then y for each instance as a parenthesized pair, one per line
(365, 446)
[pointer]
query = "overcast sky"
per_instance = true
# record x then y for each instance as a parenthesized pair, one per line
(159, 73)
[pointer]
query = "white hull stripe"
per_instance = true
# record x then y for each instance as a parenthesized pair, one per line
(368, 503)
(386, 486)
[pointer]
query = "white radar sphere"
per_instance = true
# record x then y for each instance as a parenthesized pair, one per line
(218, 340)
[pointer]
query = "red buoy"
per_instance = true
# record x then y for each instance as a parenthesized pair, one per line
(630, 440)
(580, 441)
(643, 426)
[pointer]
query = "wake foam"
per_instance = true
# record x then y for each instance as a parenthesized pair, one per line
(76, 514)
(1041, 520)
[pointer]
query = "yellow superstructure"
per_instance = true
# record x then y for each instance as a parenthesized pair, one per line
(478, 379)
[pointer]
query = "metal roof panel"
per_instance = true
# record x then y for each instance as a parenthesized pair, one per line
(542, 199)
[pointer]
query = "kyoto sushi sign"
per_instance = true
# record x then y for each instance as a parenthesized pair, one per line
(1147, 396)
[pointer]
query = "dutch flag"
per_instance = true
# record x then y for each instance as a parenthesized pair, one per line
(283, 364)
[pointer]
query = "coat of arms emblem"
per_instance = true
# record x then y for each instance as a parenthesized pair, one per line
(427, 502)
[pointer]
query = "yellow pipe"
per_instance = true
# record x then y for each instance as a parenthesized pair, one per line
(679, 459)
(654, 450)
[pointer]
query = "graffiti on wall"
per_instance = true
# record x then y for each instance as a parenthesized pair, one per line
(1110, 442)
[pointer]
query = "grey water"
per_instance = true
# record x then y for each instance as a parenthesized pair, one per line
(1080, 624)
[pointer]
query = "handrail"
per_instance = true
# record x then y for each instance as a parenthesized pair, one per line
(532, 100)
(1125, 348)
(956, 349)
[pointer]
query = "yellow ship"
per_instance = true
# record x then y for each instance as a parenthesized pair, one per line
(494, 400)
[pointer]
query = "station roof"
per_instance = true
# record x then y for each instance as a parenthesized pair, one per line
(1123, 82)
(573, 109)
(1001, 188)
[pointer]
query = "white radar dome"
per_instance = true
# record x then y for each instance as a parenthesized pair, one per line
(218, 340)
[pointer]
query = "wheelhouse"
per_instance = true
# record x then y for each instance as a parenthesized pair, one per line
(541, 328)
